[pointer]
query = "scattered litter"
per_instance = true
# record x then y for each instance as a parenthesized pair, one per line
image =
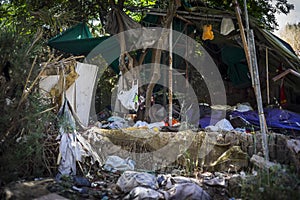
(294, 145)
(81, 181)
(222, 125)
(262, 163)
(132, 179)
(82, 190)
(188, 191)
(115, 163)
(115, 122)
(243, 107)
(217, 181)
(142, 193)
(140, 124)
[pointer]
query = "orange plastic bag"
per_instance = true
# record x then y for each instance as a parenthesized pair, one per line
(208, 34)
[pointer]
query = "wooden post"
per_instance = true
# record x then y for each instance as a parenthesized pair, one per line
(157, 56)
(170, 74)
(248, 36)
(267, 74)
(253, 69)
(243, 36)
(262, 119)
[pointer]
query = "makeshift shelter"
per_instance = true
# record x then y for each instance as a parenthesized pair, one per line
(272, 52)
(220, 40)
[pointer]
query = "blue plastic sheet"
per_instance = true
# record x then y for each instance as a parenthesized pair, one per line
(275, 118)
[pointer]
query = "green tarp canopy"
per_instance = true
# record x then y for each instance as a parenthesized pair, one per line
(78, 40)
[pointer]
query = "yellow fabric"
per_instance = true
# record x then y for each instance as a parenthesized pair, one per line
(208, 34)
(57, 89)
(70, 79)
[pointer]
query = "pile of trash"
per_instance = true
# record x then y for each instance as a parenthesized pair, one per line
(119, 179)
(134, 185)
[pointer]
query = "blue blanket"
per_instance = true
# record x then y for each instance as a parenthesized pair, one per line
(275, 118)
(212, 118)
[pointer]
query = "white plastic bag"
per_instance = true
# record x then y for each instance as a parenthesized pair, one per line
(129, 98)
(222, 125)
(132, 179)
(115, 163)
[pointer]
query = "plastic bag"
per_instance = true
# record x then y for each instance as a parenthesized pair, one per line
(208, 34)
(129, 99)
(132, 179)
(115, 163)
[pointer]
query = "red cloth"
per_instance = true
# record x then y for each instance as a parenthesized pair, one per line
(282, 97)
(283, 100)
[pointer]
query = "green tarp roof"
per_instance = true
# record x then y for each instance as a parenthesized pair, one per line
(78, 40)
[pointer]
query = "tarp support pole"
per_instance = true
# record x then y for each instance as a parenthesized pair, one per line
(248, 36)
(246, 19)
(243, 36)
(250, 53)
(170, 75)
(286, 72)
(262, 119)
(267, 75)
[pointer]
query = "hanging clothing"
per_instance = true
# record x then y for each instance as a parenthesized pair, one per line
(70, 149)
(283, 100)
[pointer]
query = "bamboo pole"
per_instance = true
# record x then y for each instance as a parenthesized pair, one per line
(170, 74)
(286, 72)
(262, 119)
(250, 53)
(26, 91)
(243, 36)
(267, 74)
(248, 36)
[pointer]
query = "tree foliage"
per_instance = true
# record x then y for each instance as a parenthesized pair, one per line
(57, 14)
(291, 34)
(263, 11)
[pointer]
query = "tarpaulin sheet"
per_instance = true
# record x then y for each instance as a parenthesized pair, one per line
(235, 59)
(78, 40)
(275, 118)
(211, 118)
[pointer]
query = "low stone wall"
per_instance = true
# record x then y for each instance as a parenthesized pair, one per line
(213, 151)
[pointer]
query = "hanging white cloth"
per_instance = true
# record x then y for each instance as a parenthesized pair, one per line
(226, 26)
(70, 149)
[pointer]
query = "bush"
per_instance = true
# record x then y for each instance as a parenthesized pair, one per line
(28, 147)
(276, 184)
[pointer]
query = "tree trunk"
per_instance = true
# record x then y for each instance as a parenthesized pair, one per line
(157, 56)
